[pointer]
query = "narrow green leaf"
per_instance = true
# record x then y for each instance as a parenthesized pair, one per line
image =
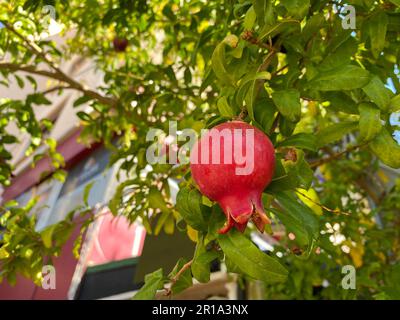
(378, 93)
(47, 235)
(156, 200)
(38, 98)
(224, 108)
(296, 8)
(264, 111)
(247, 90)
(81, 100)
(344, 78)
(259, 9)
(386, 149)
(300, 140)
(394, 104)
(279, 27)
(288, 103)
(86, 192)
(339, 101)
(249, 19)
(250, 260)
(218, 60)
(370, 121)
(335, 132)
(377, 32)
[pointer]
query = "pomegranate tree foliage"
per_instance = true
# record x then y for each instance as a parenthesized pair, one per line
(288, 67)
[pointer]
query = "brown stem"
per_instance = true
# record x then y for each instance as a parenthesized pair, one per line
(58, 73)
(61, 77)
(275, 124)
(56, 88)
(177, 276)
(279, 70)
(334, 156)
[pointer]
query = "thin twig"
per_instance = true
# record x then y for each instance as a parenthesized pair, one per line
(335, 156)
(335, 211)
(279, 70)
(58, 73)
(56, 88)
(274, 124)
(177, 276)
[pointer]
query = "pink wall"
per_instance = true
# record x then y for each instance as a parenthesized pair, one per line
(65, 267)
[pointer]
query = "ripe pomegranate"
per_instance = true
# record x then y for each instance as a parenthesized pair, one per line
(224, 180)
(120, 44)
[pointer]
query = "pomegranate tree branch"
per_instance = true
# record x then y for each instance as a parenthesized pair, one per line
(334, 156)
(72, 84)
(177, 276)
(57, 73)
(56, 88)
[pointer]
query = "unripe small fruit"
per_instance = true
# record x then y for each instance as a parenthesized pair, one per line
(238, 194)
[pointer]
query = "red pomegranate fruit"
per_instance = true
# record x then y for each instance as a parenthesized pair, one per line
(232, 164)
(120, 44)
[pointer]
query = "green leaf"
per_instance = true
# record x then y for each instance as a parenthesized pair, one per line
(249, 259)
(264, 111)
(11, 203)
(84, 116)
(386, 149)
(86, 192)
(299, 170)
(249, 19)
(216, 222)
(313, 25)
(189, 205)
(259, 9)
(340, 102)
(377, 24)
(47, 235)
(370, 121)
(161, 221)
(156, 200)
(60, 175)
(3, 253)
(81, 100)
(288, 103)
(20, 82)
(224, 108)
(185, 279)
(394, 104)
(378, 93)
(296, 8)
(152, 282)
(344, 78)
(281, 26)
(335, 132)
(340, 55)
(218, 60)
(300, 140)
(201, 262)
(246, 90)
(298, 217)
(37, 98)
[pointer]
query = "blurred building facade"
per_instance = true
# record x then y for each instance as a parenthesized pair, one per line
(111, 264)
